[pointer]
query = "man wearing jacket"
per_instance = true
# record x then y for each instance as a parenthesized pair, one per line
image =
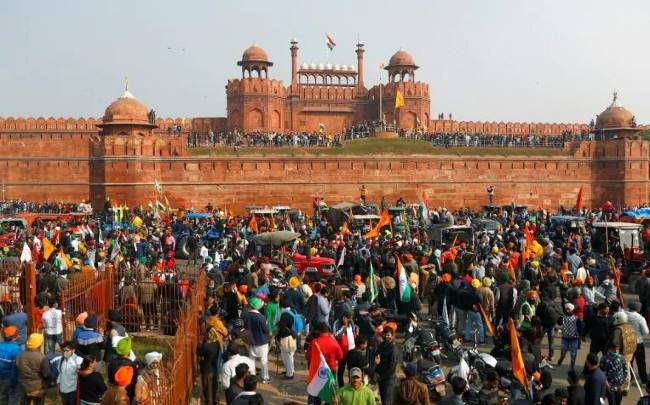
(386, 361)
(10, 391)
(256, 325)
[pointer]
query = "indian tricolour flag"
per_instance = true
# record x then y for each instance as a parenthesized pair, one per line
(320, 382)
(402, 277)
(329, 40)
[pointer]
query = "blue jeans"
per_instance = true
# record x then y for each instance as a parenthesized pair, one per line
(570, 345)
(473, 321)
(51, 341)
(10, 394)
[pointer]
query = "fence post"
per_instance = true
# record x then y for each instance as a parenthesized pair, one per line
(62, 306)
(109, 289)
(30, 295)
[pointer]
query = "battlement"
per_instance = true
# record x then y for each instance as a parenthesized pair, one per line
(408, 89)
(255, 85)
(505, 128)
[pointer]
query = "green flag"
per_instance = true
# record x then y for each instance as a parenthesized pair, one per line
(372, 284)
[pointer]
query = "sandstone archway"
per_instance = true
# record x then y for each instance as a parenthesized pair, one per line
(275, 119)
(410, 120)
(255, 119)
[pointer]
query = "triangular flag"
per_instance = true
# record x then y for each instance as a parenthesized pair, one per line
(252, 224)
(518, 367)
(488, 323)
(48, 248)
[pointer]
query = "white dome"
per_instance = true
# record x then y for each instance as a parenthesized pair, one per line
(321, 66)
(329, 66)
(344, 67)
(312, 66)
(337, 67)
(352, 68)
(304, 66)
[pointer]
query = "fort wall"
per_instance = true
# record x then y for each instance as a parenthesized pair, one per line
(76, 166)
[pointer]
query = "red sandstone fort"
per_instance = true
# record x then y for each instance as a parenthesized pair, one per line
(122, 155)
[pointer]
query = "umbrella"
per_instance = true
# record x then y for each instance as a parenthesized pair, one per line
(275, 238)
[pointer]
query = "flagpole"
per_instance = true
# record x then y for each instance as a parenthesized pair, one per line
(381, 106)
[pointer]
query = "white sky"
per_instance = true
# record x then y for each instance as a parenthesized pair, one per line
(499, 60)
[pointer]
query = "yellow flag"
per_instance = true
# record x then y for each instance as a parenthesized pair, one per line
(399, 99)
(48, 248)
(137, 222)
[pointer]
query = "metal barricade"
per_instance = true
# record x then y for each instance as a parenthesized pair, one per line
(86, 293)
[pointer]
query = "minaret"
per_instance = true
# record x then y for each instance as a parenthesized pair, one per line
(294, 61)
(360, 52)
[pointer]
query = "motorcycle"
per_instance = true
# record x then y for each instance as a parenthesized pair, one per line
(433, 376)
(420, 343)
(446, 337)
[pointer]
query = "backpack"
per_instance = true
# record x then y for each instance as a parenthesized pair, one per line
(311, 308)
(54, 360)
(298, 322)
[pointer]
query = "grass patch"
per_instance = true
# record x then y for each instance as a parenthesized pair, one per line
(144, 345)
(374, 146)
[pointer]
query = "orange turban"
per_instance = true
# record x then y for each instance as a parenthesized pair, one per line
(123, 376)
(357, 279)
(391, 325)
(446, 278)
(81, 318)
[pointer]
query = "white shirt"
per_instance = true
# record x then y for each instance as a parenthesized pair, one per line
(68, 369)
(639, 324)
(228, 368)
(53, 322)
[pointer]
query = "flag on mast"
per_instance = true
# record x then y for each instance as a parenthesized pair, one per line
(329, 41)
(157, 186)
(399, 99)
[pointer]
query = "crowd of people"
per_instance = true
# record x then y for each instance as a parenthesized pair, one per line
(524, 279)
(366, 129)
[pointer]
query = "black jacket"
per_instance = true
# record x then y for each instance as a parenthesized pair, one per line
(389, 358)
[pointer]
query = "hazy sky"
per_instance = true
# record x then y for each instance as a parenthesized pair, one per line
(509, 60)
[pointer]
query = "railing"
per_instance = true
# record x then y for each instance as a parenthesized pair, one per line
(175, 383)
(86, 294)
(151, 304)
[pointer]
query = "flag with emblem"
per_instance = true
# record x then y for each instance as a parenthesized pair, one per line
(320, 382)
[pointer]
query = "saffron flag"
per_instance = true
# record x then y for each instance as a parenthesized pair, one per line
(579, 200)
(372, 284)
(486, 320)
(399, 99)
(384, 219)
(329, 41)
(273, 225)
(518, 367)
(345, 229)
(252, 224)
(404, 285)
(320, 381)
(48, 248)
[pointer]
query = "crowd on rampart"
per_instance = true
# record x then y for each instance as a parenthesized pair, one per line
(366, 129)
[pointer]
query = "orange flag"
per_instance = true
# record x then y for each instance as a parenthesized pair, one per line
(488, 323)
(384, 220)
(252, 224)
(518, 367)
(344, 229)
(48, 248)
(273, 225)
(579, 200)
(511, 271)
